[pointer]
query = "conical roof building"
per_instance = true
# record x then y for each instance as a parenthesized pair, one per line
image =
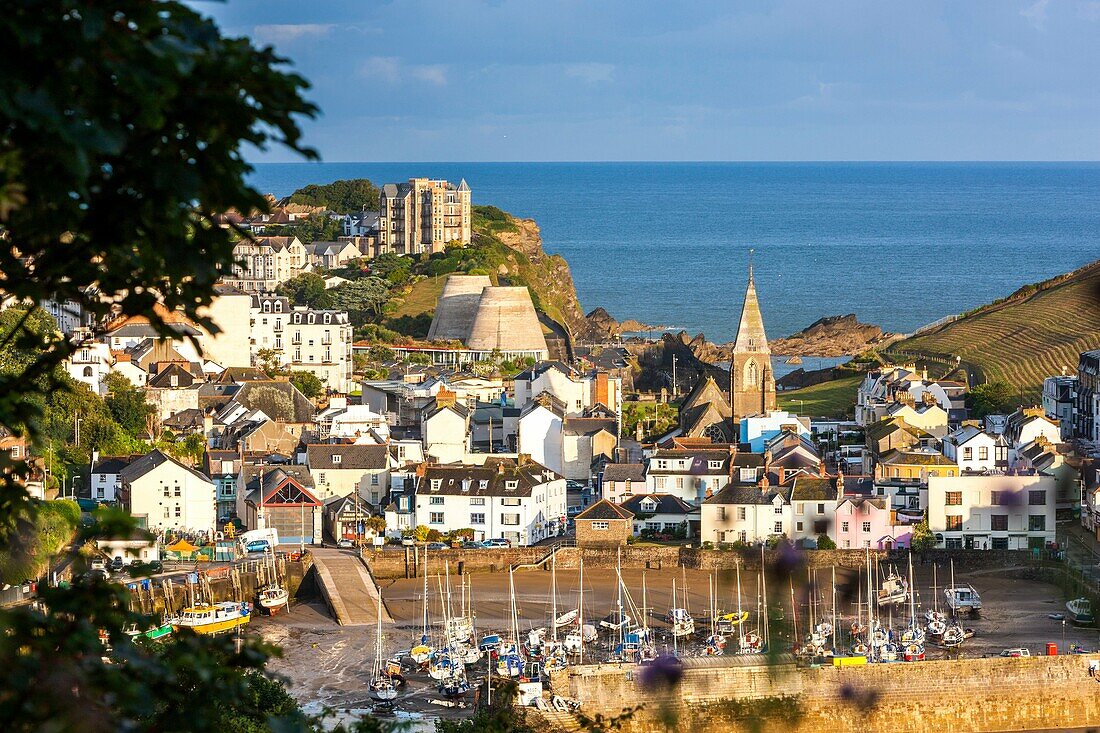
(457, 307)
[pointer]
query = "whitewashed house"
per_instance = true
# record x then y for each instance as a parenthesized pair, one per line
(995, 512)
(103, 477)
(521, 501)
(163, 494)
(445, 430)
(340, 469)
(746, 513)
(692, 475)
(975, 450)
(539, 432)
(577, 391)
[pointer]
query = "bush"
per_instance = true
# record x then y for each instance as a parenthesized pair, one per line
(708, 545)
(824, 542)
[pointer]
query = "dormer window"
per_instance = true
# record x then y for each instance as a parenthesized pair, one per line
(336, 458)
(714, 464)
(648, 505)
(174, 380)
(312, 318)
(483, 484)
(328, 318)
(466, 483)
(267, 306)
(436, 483)
(511, 485)
(662, 464)
(278, 306)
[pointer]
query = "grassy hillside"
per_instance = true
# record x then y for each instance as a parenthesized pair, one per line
(1034, 333)
(828, 399)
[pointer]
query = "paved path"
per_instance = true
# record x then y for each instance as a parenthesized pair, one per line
(347, 587)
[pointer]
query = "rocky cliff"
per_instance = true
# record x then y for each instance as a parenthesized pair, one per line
(833, 336)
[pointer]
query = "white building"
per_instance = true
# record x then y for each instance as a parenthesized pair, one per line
(304, 339)
(692, 475)
(577, 391)
(523, 502)
(746, 513)
(90, 364)
(446, 432)
(340, 469)
(163, 494)
(103, 477)
(976, 451)
(994, 512)
(263, 264)
(1059, 398)
(539, 433)
(759, 429)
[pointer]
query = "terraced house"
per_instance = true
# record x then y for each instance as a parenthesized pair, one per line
(517, 499)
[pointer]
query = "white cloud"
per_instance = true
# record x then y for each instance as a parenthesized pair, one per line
(391, 70)
(289, 32)
(1036, 13)
(591, 72)
(431, 73)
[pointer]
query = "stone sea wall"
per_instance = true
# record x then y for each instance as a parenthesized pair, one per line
(723, 694)
(405, 562)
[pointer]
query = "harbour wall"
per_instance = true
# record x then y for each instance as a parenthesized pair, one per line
(724, 694)
(407, 562)
(235, 583)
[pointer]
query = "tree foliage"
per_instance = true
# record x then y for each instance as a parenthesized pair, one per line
(307, 383)
(363, 299)
(306, 289)
(922, 538)
(991, 398)
(344, 197)
(127, 404)
(51, 530)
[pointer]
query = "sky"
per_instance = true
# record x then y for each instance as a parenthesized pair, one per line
(587, 80)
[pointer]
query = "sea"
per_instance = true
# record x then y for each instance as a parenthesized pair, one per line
(900, 245)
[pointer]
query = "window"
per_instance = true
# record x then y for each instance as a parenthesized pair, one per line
(659, 482)
(999, 543)
(509, 519)
(1037, 498)
(437, 500)
(662, 464)
(800, 508)
(983, 453)
(996, 498)
(968, 454)
(436, 483)
(177, 511)
(954, 522)
(509, 502)
(843, 526)
(798, 526)
(779, 528)
(374, 479)
(748, 474)
(477, 501)
(653, 526)
(679, 482)
(953, 498)
(167, 491)
(721, 514)
(820, 508)
(998, 522)
(321, 478)
(477, 518)
(177, 490)
(1036, 523)
(743, 536)
(866, 526)
(953, 543)
(435, 518)
(741, 513)
(714, 464)
(599, 525)
(166, 512)
(779, 509)
(511, 485)
(336, 458)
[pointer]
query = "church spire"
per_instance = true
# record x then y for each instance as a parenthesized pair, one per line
(750, 331)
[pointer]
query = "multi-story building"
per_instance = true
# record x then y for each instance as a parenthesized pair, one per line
(578, 392)
(1059, 400)
(995, 512)
(746, 513)
(340, 469)
(304, 339)
(884, 387)
(518, 500)
(423, 215)
(692, 475)
(262, 264)
(163, 494)
(1087, 412)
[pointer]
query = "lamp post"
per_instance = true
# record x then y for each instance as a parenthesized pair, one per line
(799, 407)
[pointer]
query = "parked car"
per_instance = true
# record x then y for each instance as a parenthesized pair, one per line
(408, 541)
(257, 546)
(438, 546)
(117, 564)
(1016, 652)
(498, 542)
(155, 567)
(471, 545)
(345, 543)
(99, 564)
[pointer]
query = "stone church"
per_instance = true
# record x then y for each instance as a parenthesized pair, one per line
(715, 412)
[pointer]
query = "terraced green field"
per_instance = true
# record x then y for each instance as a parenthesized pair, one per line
(1024, 339)
(835, 399)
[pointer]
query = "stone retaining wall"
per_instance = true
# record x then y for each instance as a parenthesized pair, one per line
(972, 695)
(405, 562)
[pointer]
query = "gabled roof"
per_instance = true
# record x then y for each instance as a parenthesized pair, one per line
(113, 464)
(192, 417)
(589, 425)
(604, 510)
(532, 373)
(490, 479)
(155, 458)
(750, 331)
(321, 456)
(163, 378)
(814, 488)
(624, 472)
(665, 504)
(739, 494)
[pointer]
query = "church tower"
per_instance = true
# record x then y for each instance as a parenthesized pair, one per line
(752, 384)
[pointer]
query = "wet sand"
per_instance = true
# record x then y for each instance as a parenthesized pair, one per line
(327, 665)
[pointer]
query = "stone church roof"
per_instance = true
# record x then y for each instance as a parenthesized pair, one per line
(750, 331)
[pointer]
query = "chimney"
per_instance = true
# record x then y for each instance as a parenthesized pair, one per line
(338, 401)
(840, 486)
(782, 475)
(821, 468)
(602, 389)
(445, 398)
(708, 493)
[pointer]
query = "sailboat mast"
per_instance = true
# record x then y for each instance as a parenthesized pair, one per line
(580, 615)
(764, 596)
(554, 597)
(836, 630)
(740, 621)
(674, 617)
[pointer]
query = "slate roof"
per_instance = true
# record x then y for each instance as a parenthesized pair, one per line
(749, 494)
(146, 463)
(604, 510)
(113, 464)
(814, 488)
(495, 474)
(666, 504)
(914, 458)
(191, 417)
(319, 456)
(589, 425)
(163, 378)
(269, 475)
(624, 472)
(699, 465)
(534, 372)
(304, 410)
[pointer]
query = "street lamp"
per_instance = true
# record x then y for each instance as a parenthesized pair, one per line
(799, 407)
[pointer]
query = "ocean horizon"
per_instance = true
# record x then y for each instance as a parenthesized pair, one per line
(900, 244)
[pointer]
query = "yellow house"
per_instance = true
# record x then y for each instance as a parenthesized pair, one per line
(914, 465)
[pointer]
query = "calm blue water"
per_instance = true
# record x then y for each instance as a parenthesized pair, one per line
(898, 244)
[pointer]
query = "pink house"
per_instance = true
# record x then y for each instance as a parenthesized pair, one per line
(868, 522)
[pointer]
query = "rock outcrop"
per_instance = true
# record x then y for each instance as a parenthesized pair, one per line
(833, 336)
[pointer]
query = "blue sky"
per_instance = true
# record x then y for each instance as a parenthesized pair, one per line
(501, 80)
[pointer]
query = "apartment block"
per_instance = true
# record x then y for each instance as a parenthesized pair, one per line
(423, 215)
